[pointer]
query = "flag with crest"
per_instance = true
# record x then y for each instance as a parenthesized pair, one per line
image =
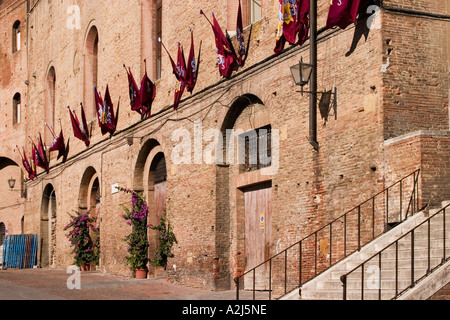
(292, 23)
(105, 112)
(180, 84)
(227, 60)
(192, 66)
(134, 92)
(58, 143)
(342, 13)
(26, 164)
(147, 94)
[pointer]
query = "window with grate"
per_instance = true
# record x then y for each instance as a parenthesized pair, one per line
(255, 149)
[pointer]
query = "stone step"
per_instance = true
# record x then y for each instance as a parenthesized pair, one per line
(369, 284)
(353, 294)
(328, 285)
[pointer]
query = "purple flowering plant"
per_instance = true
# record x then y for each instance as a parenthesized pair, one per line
(166, 239)
(137, 239)
(84, 238)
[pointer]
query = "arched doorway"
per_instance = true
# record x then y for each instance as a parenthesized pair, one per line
(151, 179)
(156, 195)
(89, 200)
(245, 191)
(48, 227)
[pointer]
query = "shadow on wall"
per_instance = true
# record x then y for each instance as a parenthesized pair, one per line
(368, 20)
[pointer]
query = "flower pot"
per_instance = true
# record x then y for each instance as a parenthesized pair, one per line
(141, 274)
(86, 267)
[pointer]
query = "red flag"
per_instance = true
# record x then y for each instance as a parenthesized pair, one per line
(79, 129)
(342, 13)
(180, 85)
(292, 22)
(179, 70)
(242, 50)
(44, 163)
(26, 164)
(84, 126)
(135, 98)
(101, 114)
(176, 71)
(303, 21)
(147, 93)
(105, 112)
(58, 143)
(112, 119)
(33, 159)
(192, 67)
(39, 155)
(226, 57)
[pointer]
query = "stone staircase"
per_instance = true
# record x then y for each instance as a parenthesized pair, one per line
(431, 267)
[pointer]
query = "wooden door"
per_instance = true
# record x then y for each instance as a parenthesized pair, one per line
(160, 199)
(258, 216)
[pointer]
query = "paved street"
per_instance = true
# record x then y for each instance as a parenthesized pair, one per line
(46, 284)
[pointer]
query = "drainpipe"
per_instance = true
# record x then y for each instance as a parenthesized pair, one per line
(313, 80)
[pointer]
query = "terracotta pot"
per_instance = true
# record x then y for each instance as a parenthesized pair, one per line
(86, 267)
(141, 274)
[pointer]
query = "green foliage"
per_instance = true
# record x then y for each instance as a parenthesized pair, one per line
(166, 240)
(137, 239)
(85, 248)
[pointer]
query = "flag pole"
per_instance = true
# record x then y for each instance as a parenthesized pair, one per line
(162, 43)
(51, 131)
(201, 12)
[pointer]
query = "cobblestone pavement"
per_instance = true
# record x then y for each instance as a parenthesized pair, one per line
(49, 284)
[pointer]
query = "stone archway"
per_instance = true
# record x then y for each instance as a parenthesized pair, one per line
(89, 199)
(48, 227)
(244, 193)
(150, 178)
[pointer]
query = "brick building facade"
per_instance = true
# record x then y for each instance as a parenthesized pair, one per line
(391, 75)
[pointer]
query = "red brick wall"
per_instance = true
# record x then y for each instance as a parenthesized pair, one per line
(12, 80)
(310, 188)
(415, 94)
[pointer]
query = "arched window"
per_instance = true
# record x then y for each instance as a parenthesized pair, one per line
(151, 16)
(158, 35)
(16, 36)
(16, 109)
(50, 104)
(90, 72)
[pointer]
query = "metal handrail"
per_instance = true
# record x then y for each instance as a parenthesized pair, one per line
(413, 204)
(414, 281)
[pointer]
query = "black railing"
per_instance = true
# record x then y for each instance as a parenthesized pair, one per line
(420, 257)
(301, 262)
